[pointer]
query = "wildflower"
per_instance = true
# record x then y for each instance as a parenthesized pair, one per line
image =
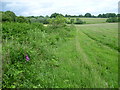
(27, 58)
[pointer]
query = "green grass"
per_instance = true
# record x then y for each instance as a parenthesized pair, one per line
(81, 56)
(93, 20)
(98, 42)
(107, 34)
(88, 63)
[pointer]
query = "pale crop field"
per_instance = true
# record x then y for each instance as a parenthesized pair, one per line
(92, 20)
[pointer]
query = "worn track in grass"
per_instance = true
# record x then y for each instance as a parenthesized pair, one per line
(91, 66)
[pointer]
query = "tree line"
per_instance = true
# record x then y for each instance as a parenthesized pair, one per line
(10, 16)
(107, 15)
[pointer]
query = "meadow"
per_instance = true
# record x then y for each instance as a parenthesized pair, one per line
(94, 20)
(74, 56)
(91, 20)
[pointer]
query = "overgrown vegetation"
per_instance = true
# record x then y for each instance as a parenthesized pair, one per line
(38, 43)
(112, 19)
(10, 16)
(78, 21)
(57, 55)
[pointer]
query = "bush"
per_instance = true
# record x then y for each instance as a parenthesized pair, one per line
(39, 43)
(57, 22)
(68, 22)
(8, 16)
(22, 19)
(14, 30)
(43, 20)
(72, 21)
(78, 21)
(112, 19)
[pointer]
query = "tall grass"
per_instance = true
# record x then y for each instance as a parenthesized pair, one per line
(62, 57)
(38, 43)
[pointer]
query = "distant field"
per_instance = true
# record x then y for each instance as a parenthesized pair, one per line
(106, 34)
(94, 20)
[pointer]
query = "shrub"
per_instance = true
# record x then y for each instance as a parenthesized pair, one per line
(78, 21)
(18, 30)
(17, 71)
(58, 21)
(22, 19)
(112, 19)
(8, 16)
(68, 22)
(72, 21)
(14, 30)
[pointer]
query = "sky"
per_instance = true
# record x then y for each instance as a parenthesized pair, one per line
(47, 7)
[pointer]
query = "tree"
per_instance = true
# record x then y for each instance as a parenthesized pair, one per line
(46, 20)
(87, 15)
(33, 20)
(1, 16)
(112, 19)
(46, 16)
(110, 15)
(107, 15)
(58, 21)
(118, 15)
(54, 15)
(100, 15)
(41, 16)
(43, 20)
(104, 16)
(80, 15)
(8, 16)
(66, 15)
(22, 19)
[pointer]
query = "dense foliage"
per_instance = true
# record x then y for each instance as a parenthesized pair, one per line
(55, 18)
(78, 21)
(107, 15)
(41, 19)
(58, 21)
(112, 19)
(75, 21)
(55, 55)
(54, 15)
(36, 42)
(88, 15)
(10, 16)
(22, 19)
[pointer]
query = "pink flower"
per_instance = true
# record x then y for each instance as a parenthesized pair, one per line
(27, 58)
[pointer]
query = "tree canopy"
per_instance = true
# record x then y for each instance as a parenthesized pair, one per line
(87, 15)
(8, 16)
(54, 15)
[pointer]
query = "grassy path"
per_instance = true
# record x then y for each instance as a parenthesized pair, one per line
(99, 59)
(78, 47)
(88, 64)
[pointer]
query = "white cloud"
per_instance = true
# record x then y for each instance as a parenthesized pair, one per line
(47, 7)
